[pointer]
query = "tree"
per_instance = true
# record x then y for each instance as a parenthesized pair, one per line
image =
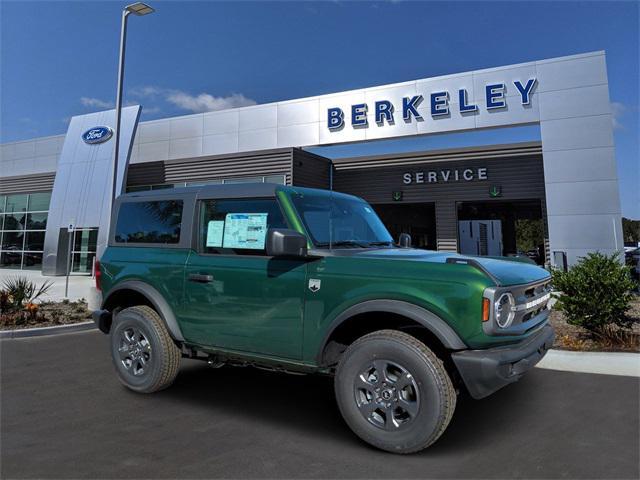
(630, 230)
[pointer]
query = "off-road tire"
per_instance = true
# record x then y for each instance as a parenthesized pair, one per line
(164, 356)
(435, 391)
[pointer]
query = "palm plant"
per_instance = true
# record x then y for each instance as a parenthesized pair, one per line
(20, 291)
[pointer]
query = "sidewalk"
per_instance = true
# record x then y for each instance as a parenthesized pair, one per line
(79, 285)
(607, 363)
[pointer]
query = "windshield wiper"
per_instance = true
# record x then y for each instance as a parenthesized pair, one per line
(380, 244)
(344, 243)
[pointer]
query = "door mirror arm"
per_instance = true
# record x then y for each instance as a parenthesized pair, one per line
(284, 242)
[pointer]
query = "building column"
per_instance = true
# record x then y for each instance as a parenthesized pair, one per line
(581, 184)
(447, 226)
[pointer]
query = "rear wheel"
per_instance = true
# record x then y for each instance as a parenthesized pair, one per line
(394, 392)
(143, 353)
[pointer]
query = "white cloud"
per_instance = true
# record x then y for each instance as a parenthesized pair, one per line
(95, 103)
(146, 91)
(617, 110)
(205, 102)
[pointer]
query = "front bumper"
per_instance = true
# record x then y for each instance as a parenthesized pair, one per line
(485, 371)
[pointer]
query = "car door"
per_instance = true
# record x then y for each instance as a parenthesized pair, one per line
(236, 297)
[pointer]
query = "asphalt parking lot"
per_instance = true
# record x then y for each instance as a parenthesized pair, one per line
(64, 414)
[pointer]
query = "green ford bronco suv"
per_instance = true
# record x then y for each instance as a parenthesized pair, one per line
(304, 280)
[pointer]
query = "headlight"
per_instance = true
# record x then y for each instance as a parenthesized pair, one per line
(503, 309)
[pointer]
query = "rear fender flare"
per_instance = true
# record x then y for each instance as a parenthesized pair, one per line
(156, 299)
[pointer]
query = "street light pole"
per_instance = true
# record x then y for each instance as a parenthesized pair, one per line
(137, 9)
(123, 41)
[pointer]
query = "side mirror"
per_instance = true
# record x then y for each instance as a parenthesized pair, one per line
(282, 242)
(404, 240)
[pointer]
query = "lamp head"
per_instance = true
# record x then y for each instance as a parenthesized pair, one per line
(139, 9)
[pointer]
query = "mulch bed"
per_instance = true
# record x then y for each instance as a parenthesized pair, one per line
(568, 337)
(572, 337)
(49, 314)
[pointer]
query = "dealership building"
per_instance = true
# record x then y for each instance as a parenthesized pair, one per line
(554, 199)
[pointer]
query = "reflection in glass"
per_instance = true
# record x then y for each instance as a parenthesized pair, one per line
(12, 240)
(22, 230)
(83, 262)
(39, 201)
(16, 203)
(32, 261)
(34, 241)
(149, 222)
(37, 221)
(280, 179)
(85, 240)
(10, 259)
(14, 221)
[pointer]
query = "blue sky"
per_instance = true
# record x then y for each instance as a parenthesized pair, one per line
(59, 59)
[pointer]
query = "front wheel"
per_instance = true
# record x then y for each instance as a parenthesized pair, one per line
(394, 392)
(143, 353)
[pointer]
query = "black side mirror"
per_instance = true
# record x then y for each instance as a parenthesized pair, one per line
(404, 240)
(282, 242)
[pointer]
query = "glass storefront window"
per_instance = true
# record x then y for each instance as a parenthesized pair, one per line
(34, 241)
(37, 221)
(12, 241)
(39, 202)
(244, 180)
(32, 261)
(10, 259)
(23, 221)
(83, 262)
(16, 203)
(13, 221)
(275, 179)
(85, 242)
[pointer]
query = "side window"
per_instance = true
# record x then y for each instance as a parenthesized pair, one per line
(149, 222)
(238, 226)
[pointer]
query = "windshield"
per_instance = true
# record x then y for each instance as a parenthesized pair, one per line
(338, 221)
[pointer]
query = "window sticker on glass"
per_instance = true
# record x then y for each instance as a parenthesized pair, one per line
(245, 230)
(214, 233)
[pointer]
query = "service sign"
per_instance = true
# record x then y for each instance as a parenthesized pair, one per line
(97, 135)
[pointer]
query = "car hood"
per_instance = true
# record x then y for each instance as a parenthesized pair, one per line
(504, 270)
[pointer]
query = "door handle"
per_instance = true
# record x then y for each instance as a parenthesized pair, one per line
(200, 278)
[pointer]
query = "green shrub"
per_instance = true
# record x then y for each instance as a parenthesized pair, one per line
(595, 293)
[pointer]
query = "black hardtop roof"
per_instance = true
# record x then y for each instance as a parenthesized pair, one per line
(226, 190)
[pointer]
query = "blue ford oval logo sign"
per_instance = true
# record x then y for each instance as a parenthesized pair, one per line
(97, 135)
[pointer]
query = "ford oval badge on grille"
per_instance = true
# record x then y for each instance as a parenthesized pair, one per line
(97, 135)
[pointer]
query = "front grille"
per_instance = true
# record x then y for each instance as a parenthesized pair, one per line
(531, 307)
(531, 300)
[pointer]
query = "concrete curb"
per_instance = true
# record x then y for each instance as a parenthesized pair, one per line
(606, 363)
(43, 331)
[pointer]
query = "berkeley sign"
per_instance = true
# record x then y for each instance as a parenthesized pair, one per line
(384, 110)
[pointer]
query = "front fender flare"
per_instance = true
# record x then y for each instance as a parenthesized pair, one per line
(441, 329)
(157, 300)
